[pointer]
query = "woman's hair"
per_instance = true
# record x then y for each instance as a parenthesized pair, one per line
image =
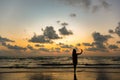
(74, 51)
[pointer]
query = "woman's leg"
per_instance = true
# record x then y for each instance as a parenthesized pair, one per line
(74, 68)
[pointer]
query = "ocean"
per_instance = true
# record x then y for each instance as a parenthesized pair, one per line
(60, 62)
(59, 68)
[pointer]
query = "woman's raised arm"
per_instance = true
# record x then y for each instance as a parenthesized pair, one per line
(80, 52)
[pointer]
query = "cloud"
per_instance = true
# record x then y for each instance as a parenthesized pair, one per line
(111, 31)
(87, 44)
(5, 40)
(99, 43)
(96, 49)
(58, 21)
(38, 45)
(118, 42)
(105, 4)
(81, 3)
(64, 24)
(117, 30)
(64, 31)
(57, 49)
(66, 46)
(91, 49)
(66, 50)
(39, 39)
(100, 38)
(113, 46)
(78, 44)
(44, 49)
(89, 5)
(15, 47)
(60, 43)
(50, 33)
(73, 15)
(102, 4)
(30, 47)
(95, 8)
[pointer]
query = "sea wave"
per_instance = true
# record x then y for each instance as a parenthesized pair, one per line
(60, 62)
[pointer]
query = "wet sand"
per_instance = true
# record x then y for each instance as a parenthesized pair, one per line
(60, 74)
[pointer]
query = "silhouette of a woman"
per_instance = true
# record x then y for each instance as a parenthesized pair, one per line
(75, 58)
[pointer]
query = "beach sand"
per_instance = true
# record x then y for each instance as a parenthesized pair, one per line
(60, 74)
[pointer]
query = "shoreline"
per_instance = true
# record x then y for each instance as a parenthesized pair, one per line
(37, 70)
(50, 67)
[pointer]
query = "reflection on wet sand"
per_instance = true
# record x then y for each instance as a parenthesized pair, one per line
(25, 76)
(40, 77)
(101, 73)
(86, 74)
(102, 76)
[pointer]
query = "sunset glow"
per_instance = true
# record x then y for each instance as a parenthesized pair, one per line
(55, 27)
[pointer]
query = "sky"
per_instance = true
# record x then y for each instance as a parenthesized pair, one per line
(56, 27)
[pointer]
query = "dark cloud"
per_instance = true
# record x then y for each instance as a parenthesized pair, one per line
(73, 15)
(38, 45)
(39, 39)
(100, 38)
(102, 4)
(57, 49)
(78, 44)
(5, 40)
(60, 43)
(111, 31)
(44, 49)
(64, 31)
(117, 30)
(118, 42)
(113, 46)
(87, 44)
(99, 43)
(50, 33)
(64, 24)
(66, 46)
(91, 49)
(96, 49)
(30, 47)
(58, 21)
(81, 3)
(15, 47)
(95, 8)
(88, 4)
(105, 4)
(67, 50)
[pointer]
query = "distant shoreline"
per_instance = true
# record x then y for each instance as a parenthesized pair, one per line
(64, 66)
